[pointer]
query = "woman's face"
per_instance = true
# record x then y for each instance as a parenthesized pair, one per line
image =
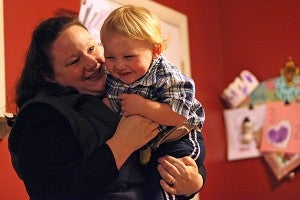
(77, 61)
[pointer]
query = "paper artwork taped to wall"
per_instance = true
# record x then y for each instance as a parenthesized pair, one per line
(282, 163)
(243, 131)
(281, 131)
(285, 88)
(239, 90)
(92, 14)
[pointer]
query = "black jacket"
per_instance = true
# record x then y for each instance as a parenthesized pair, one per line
(58, 149)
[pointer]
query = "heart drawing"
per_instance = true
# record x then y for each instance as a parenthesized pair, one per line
(279, 135)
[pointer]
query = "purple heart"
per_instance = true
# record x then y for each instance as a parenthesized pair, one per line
(278, 136)
(249, 78)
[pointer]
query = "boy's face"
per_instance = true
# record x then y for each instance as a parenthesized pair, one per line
(127, 59)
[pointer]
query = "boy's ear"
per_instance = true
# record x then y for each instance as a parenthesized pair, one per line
(157, 49)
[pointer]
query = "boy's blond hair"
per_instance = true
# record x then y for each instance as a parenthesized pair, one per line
(135, 23)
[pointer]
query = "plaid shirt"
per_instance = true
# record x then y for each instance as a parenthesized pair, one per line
(163, 83)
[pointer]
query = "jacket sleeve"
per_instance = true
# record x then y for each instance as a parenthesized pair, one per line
(49, 159)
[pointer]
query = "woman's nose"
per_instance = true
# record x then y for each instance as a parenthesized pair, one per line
(90, 62)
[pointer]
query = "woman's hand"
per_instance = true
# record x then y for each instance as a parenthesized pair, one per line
(180, 176)
(132, 133)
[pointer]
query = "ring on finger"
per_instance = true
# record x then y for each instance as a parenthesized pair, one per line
(172, 184)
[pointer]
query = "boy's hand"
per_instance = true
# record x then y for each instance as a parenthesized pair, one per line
(132, 104)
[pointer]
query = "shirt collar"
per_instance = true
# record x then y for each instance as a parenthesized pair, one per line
(150, 77)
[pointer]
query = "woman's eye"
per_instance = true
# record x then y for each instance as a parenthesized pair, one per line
(74, 61)
(91, 49)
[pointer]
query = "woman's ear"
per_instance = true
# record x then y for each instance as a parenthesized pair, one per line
(157, 49)
(51, 80)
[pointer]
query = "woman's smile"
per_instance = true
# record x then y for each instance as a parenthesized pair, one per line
(96, 75)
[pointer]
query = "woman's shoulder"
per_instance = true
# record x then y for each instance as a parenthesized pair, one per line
(35, 117)
(39, 112)
(35, 120)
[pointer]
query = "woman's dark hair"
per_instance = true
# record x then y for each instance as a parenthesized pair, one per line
(38, 67)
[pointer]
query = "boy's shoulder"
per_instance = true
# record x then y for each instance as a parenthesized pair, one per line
(164, 66)
(165, 69)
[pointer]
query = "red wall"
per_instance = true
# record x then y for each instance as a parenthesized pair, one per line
(226, 36)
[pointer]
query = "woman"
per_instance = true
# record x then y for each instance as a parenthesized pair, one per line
(65, 143)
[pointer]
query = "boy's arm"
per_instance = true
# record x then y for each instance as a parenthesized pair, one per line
(158, 112)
